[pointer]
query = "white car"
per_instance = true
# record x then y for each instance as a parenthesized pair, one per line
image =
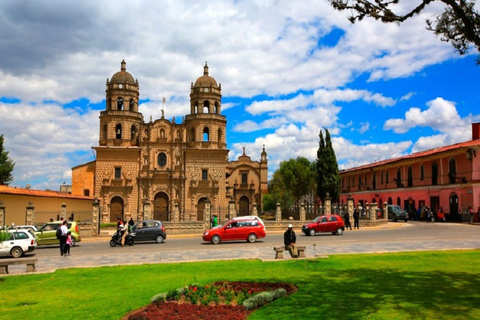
(19, 241)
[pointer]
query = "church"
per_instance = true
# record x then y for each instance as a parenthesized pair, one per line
(165, 170)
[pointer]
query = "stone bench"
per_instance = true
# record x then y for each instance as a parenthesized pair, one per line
(4, 263)
(279, 252)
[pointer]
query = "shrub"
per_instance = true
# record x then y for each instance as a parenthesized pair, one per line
(263, 298)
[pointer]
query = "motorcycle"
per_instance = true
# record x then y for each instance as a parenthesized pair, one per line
(117, 239)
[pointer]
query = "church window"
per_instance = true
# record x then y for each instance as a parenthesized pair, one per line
(132, 104)
(216, 108)
(204, 174)
(133, 132)
(118, 131)
(162, 159)
(119, 103)
(452, 170)
(206, 134)
(206, 106)
(86, 192)
(244, 178)
(220, 136)
(422, 172)
(118, 173)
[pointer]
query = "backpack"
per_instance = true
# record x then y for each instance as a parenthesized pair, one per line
(59, 233)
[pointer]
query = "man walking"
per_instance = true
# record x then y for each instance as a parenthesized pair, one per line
(346, 217)
(356, 217)
(289, 239)
(63, 238)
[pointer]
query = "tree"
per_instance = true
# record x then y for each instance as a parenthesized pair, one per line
(458, 24)
(328, 179)
(279, 193)
(297, 177)
(6, 165)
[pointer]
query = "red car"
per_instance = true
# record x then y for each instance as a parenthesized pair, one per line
(331, 223)
(248, 228)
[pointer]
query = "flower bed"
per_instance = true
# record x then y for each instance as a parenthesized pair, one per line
(220, 300)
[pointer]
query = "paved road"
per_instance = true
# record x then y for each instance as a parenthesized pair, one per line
(395, 237)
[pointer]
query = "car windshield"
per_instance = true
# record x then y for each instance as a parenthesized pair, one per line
(316, 219)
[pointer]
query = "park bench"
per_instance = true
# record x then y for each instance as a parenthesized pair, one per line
(279, 252)
(4, 263)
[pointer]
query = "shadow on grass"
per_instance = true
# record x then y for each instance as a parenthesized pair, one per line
(387, 294)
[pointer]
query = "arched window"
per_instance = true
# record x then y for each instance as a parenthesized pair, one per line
(206, 106)
(399, 178)
(195, 108)
(162, 159)
(386, 176)
(119, 103)
(220, 136)
(410, 177)
(452, 170)
(434, 174)
(133, 133)
(206, 134)
(422, 172)
(399, 202)
(192, 134)
(118, 131)
(216, 110)
(132, 104)
(105, 130)
(374, 181)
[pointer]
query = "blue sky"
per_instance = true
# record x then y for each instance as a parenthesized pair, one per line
(288, 69)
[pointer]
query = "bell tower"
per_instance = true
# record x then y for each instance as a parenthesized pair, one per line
(120, 122)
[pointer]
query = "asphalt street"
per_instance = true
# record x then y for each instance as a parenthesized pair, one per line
(395, 237)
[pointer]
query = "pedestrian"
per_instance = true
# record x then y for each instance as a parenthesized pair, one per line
(131, 223)
(68, 243)
(478, 214)
(290, 239)
(471, 214)
(63, 237)
(125, 233)
(356, 217)
(441, 215)
(346, 217)
(215, 221)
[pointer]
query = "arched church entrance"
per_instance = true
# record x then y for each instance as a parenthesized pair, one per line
(201, 208)
(244, 206)
(116, 209)
(160, 207)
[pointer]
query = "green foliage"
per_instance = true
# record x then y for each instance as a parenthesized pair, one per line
(263, 298)
(297, 177)
(279, 192)
(4, 235)
(108, 225)
(328, 178)
(6, 165)
(269, 203)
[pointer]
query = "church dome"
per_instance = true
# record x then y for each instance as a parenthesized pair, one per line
(123, 76)
(205, 80)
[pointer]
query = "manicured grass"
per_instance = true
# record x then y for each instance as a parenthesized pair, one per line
(417, 285)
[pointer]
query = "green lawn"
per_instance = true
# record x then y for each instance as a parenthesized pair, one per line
(417, 285)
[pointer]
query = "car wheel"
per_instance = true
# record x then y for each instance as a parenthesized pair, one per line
(113, 243)
(252, 237)
(216, 239)
(16, 252)
(159, 238)
(339, 231)
(130, 243)
(74, 242)
(395, 220)
(406, 220)
(312, 232)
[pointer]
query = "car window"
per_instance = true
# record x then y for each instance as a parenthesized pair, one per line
(324, 219)
(151, 224)
(333, 218)
(20, 235)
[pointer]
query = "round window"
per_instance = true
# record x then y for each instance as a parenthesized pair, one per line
(162, 159)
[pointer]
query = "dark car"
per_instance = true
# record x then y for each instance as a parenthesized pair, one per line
(396, 213)
(330, 223)
(149, 230)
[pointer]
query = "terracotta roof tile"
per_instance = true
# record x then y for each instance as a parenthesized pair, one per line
(40, 193)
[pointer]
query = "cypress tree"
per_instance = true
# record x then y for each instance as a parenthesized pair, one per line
(327, 169)
(6, 165)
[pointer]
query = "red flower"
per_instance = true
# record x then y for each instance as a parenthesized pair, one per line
(194, 289)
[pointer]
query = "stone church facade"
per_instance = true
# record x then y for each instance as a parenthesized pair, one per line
(166, 170)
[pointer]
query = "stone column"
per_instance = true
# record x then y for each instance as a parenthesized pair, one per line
(328, 204)
(176, 213)
(367, 211)
(30, 215)
(63, 212)
(278, 213)
(302, 212)
(2, 215)
(350, 207)
(206, 214)
(147, 213)
(95, 217)
(231, 210)
(254, 210)
(385, 211)
(373, 212)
